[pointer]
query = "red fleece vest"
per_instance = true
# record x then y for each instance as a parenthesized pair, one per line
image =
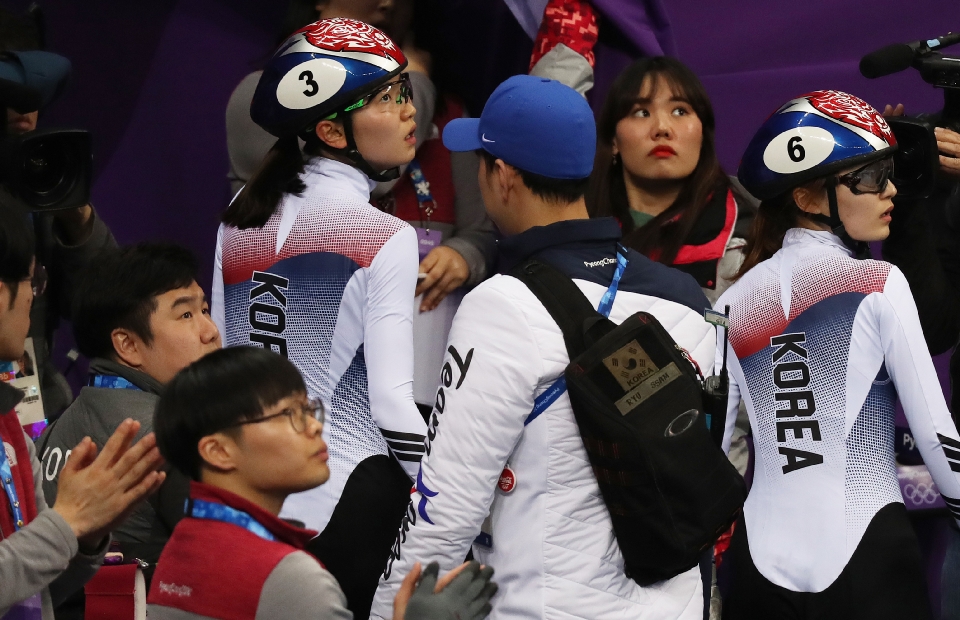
(218, 569)
(22, 469)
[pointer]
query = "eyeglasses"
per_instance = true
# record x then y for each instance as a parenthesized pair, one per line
(38, 281)
(298, 417)
(386, 98)
(871, 179)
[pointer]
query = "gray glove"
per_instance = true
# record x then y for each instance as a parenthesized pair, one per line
(467, 597)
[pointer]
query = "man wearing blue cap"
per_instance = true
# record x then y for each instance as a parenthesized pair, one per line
(516, 486)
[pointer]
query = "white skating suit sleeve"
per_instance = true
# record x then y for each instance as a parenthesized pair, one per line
(909, 365)
(388, 348)
(216, 286)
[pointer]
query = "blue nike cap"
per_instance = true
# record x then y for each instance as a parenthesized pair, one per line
(534, 124)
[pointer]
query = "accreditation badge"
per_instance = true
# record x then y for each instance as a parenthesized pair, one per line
(23, 375)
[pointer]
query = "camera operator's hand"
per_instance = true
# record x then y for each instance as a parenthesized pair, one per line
(889, 110)
(948, 143)
(464, 597)
(74, 226)
(97, 492)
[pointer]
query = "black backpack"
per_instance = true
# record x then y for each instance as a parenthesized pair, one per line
(640, 405)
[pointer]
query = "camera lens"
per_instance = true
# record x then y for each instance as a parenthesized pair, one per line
(50, 169)
(44, 167)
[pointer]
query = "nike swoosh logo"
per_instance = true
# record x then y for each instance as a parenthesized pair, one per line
(483, 137)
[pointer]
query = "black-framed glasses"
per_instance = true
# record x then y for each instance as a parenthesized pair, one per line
(389, 95)
(38, 281)
(298, 416)
(870, 179)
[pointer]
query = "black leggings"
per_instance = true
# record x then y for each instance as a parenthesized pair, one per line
(356, 543)
(884, 579)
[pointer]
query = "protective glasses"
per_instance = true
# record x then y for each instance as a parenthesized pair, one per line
(386, 98)
(871, 179)
(298, 417)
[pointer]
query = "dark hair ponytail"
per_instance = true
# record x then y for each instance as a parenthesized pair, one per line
(774, 218)
(279, 174)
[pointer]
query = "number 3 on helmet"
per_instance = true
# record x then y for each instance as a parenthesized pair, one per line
(320, 70)
(810, 137)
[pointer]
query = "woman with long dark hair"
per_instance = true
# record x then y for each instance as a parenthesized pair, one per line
(657, 172)
(309, 268)
(821, 346)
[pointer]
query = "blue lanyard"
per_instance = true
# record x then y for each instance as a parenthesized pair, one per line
(7, 478)
(422, 188)
(552, 393)
(111, 382)
(212, 511)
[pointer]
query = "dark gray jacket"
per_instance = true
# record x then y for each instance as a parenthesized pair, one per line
(44, 556)
(65, 264)
(97, 412)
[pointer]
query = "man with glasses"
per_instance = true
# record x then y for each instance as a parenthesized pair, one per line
(239, 424)
(140, 317)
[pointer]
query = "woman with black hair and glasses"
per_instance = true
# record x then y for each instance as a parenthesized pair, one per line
(307, 267)
(821, 345)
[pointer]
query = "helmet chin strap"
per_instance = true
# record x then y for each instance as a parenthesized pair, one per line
(859, 248)
(353, 154)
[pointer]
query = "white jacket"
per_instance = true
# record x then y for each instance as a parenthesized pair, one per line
(549, 537)
(821, 346)
(328, 282)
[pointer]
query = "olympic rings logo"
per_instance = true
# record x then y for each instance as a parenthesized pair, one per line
(920, 493)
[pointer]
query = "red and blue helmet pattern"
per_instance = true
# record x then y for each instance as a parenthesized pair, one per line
(813, 136)
(322, 69)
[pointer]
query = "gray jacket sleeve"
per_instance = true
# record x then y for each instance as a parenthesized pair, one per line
(474, 238)
(567, 67)
(71, 261)
(42, 554)
(298, 587)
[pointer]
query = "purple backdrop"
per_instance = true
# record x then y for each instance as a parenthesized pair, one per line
(152, 78)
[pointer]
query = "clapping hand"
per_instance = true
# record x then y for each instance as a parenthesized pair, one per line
(96, 492)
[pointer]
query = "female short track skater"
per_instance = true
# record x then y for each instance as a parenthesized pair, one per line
(821, 345)
(307, 267)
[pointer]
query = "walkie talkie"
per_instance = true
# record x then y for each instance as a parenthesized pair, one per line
(716, 388)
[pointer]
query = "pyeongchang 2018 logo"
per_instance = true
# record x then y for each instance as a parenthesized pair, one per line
(600, 263)
(348, 35)
(175, 590)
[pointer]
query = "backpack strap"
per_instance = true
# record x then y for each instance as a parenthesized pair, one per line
(563, 299)
(572, 312)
